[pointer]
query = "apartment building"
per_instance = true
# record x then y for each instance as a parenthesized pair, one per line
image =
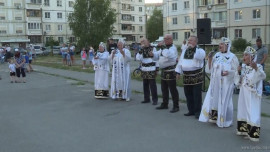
(150, 7)
(130, 20)
(230, 18)
(13, 23)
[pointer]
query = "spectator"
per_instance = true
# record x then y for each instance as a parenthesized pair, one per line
(83, 57)
(91, 54)
(20, 62)
(262, 52)
(64, 51)
(12, 70)
(112, 45)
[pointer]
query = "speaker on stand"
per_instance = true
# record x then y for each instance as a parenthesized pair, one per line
(204, 37)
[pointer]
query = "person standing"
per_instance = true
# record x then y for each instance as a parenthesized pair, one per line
(120, 83)
(218, 105)
(19, 62)
(184, 46)
(12, 70)
(91, 54)
(167, 62)
(262, 52)
(249, 102)
(71, 51)
(29, 53)
(112, 46)
(102, 69)
(83, 57)
(149, 71)
(190, 65)
(64, 51)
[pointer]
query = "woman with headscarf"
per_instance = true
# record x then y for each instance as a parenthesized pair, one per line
(120, 84)
(102, 69)
(250, 79)
(218, 105)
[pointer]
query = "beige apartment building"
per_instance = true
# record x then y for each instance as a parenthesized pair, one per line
(246, 19)
(130, 20)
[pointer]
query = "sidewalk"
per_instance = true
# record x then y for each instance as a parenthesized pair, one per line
(136, 86)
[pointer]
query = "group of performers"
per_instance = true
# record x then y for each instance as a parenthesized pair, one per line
(226, 73)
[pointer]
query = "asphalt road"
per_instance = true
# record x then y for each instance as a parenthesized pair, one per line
(50, 113)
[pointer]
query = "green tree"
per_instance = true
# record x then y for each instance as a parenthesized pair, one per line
(92, 21)
(154, 26)
(240, 44)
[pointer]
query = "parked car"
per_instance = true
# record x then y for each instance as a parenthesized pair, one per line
(154, 44)
(38, 50)
(45, 51)
(56, 50)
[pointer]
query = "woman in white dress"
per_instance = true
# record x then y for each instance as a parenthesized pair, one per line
(218, 105)
(249, 102)
(120, 84)
(102, 69)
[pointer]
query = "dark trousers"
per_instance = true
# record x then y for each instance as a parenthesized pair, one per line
(150, 84)
(20, 71)
(193, 95)
(167, 85)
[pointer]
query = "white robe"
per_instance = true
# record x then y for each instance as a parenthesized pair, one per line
(120, 75)
(220, 91)
(249, 101)
(102, 69)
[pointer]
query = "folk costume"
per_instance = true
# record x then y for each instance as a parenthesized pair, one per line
(218, 105)
(249, 101)
(148, 74)
(120, 84)
(102, 69)
(190, 65)
(167, 62)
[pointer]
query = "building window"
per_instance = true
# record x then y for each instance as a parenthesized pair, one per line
(187, 19)
(2, 17)
(126, 7)
(238, 33)
(141, 29)
(36, 1)
(175, 20)
(71, 39)
(48, 27)
(47, 2)
(47, 15)
(132, 8)
(3, 32)
(19, 31)
(140, 0)
(2, 4)
(60, 39)
(187, 35)
(186, 4)
(59, 15)
(174, 6)
(256, 32)
(205, 15)
(17, 5)
(34, 26)
(48, 39)
(237, 1)
(33, 13)
(140, 19)
(140, 9)
(132, 18)
(203, 2)
(220, 1)
(133, 28)
(70, 3)
(18, 18)
(175, 35)
(238, 15)
(35, 39)
(60, 28)
(59, 2)
(126, 27)
(218, 33)
(220, 16)
(256, 14)
(126, 17)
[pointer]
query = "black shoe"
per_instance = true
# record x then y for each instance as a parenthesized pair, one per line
(154, 103)
(189, 114)
(162, 107)
(174, 110)
(145, 102)
(197, 116)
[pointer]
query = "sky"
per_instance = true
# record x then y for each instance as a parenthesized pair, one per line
(153, 1)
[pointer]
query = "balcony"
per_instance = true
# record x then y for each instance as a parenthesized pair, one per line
(126, 32)
(219, 23)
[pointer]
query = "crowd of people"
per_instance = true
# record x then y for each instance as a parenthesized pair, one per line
(224, 67)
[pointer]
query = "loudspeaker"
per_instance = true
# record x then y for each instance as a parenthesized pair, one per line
(204, 31)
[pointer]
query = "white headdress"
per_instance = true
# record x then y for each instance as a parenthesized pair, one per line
(226, 41)
(252, 52)
(122, 41)
(103, 45)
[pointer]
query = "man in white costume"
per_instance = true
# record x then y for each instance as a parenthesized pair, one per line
(120, 84)
(218, 105)
(148, 73)
(102, 69)
(190, 65)
(249, 103)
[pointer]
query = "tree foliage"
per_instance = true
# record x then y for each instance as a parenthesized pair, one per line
(240, 44)
(92, 21)
(154, 26)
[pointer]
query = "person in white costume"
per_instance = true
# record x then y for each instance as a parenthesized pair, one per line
(120, 84)
(102, 69)
(218, 105)
(249, 102)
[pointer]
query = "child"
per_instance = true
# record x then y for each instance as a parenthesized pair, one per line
(91, 55)
(83, 57)
(250, 79)
(12, 70)
(68, 59)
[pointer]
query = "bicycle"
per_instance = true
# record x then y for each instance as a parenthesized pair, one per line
(137, 72)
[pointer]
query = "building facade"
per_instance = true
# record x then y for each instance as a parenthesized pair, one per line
(230, 18)
(150, 7)
(130, 20)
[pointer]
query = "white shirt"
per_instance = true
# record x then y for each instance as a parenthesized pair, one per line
(12, 67)
(166, 57)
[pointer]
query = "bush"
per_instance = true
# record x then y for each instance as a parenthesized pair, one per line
(240, 44)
